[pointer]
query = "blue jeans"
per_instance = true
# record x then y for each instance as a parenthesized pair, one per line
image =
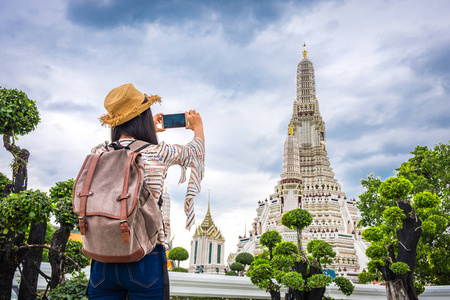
(142, 279)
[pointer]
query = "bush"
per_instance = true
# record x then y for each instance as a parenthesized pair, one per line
(345, 285)
(18, 114)
(318, 281)
(231, 273)
(373, 234)
(399, 267)
(244, 258)
(49, 234)
(3, 182)
(71, 289)
(237, 266)
(419, 286)
(179, 269)
(61, 196)
(17, 211)
(286, 248)
(270, 239)
(293, 280)
(45, 255)
(365, 277)
(74, 251)
(297, 219)
(395, 188)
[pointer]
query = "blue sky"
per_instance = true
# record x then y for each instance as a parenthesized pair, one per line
(382, 79)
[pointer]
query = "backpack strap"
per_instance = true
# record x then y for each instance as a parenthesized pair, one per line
(124, 228)
(138, 146)
(85, 193)
(135, 146)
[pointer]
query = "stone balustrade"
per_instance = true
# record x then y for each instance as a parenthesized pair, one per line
(221, 286)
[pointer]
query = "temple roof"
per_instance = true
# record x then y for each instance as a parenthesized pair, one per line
(208, 227)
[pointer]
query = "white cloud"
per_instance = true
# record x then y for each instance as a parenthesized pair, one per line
(376, 97)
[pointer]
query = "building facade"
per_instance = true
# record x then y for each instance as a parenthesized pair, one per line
(207, 248)
(307, 181)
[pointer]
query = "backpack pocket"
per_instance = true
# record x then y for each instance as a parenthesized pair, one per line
(98, 274)
(145, 272)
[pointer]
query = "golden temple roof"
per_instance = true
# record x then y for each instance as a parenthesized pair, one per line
(208, 227)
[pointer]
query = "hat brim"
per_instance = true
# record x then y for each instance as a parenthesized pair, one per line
(132, 113)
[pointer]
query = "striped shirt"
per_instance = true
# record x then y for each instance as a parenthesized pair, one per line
(157, 160)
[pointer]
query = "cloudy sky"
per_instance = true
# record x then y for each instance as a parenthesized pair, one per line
(382, 79)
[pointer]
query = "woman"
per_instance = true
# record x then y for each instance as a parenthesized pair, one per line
(130, 118)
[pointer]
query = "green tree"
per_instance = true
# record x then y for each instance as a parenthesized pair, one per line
(285, 263)
(61, 197)
(270, 239)
(397, 218)
(18, 116)
(178, 254)
(262, 274)
(261, 271)
(429, 170)
(297, 219)
(321, 253)
(18, 212)
(244, 258)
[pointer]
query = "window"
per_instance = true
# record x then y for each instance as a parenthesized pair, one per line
(210, 252)
(195, 252)
(219, 248)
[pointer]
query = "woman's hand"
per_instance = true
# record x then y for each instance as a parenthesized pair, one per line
(157, 119)
(193, 120)
(195, 123)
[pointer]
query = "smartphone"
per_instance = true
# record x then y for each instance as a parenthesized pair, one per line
(174, 121)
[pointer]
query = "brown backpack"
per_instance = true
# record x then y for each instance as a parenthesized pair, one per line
(119, 218)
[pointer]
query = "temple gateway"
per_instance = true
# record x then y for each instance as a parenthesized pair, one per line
(307, 181)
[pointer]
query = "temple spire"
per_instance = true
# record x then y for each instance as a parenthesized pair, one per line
(305, 52)
(208, 221)
(209, 201)
(245, 229)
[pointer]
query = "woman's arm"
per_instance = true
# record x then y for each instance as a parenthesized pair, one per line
(195, 123)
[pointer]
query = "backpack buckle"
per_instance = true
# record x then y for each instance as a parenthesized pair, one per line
(82, 223)
(120, 197)
(125, 229)
(118, 146)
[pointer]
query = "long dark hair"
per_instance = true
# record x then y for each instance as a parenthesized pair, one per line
(140, 128)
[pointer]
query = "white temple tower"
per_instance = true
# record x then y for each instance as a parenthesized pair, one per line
(307, 181)
(207, 247)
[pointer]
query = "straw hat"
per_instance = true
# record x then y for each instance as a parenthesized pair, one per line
(124, 103)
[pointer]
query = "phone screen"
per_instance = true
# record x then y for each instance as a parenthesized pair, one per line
(174, 120)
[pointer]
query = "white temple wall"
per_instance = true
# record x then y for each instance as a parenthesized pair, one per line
(203, 254)
(291, 201)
